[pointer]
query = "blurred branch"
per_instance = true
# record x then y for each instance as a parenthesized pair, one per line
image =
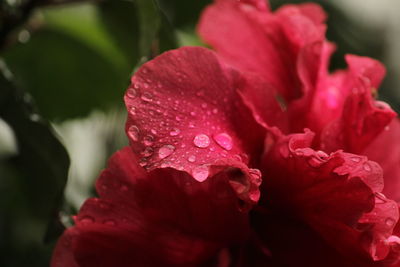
(14, 16)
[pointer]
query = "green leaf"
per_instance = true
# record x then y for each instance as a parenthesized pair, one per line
(139, 27)
(150, 24)
(71, 65)
(183, 13)
(119, 19)
(32, 182)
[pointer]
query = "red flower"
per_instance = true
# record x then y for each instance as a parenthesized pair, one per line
(202, 125)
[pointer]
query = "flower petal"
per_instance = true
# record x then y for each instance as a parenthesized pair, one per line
(385, 150)
(63, 255)
(185, 113)
(157, 218)
(362, 118)
(333, 194)
(268, 43)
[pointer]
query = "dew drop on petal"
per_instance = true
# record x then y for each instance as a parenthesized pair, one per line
(192, 158)
(165, 165)
(147, 97)
(367, 167)
(390, 222)
(133, 132)
(131, 93)
(322, 154)
(201, 140)
(143, 162)
(178, 118)
(147, 152)
(224, 140)
(356, 159)
(86, 220)
(200, 173)
(132, 111)
(148, 140)
(380, 198)
(165, 151)
(174, 132)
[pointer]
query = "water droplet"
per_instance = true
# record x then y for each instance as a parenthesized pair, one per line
(165, 151)
(380, 198)
(132, 111)
(133, 132)
(356, 159)
(201, 140)
(175, 132)
(131, 93)
(143, 162)
(147, 152)
(146, 85)
(224, 140)
(390, 222)
(204, 105)
(109, 222)
(322, 154)
(191, 124)
(153, 131)
(215, 111)
(367, 167)
(148, 140)
(381, 105)
(192, 113)
(86, 220)
(165, 164)
(200, 173)
(192, 158)
(238, 157)
(147, 97)
(178, 118)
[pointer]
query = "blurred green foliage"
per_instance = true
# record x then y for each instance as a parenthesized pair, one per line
(76, 58)
(32, 181)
